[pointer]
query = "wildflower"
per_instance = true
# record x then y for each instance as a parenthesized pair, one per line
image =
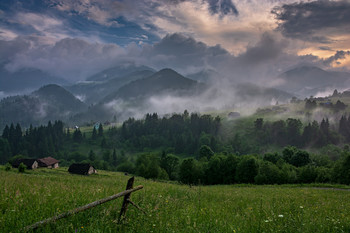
(266, 220)
(301, 207)
(280, 216)
(82, 227)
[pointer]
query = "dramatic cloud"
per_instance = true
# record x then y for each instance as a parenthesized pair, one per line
(76, 38)
(183, 53)
(76, 59)
(339, 55)
(266, 49)
(72, 59)
(316, 21)
(234, 26)
(222, 7)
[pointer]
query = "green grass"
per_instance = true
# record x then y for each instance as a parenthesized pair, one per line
(36, 195)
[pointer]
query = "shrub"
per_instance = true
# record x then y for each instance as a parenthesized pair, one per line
(126, 167)
(8, 167)
(246, 170)
(21, 168)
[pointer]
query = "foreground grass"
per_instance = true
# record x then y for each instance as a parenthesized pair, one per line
(36, 195)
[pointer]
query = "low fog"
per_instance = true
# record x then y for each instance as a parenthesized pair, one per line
(211, 98)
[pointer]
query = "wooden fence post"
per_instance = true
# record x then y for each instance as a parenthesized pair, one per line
(126, 201)
(126, 194)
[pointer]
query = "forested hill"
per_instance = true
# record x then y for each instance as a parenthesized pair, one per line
(50, 102)
(166, 81)
(118, 72)
(93, 92)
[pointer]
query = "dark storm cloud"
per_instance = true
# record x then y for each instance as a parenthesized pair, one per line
(313, 21)
(222, 7)
(70, 58)
(179, 45)
(181, 52)
(266, 49)
(339, 55)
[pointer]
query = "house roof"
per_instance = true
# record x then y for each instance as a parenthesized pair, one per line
(27, 162)
(48, 161)
(79, 168)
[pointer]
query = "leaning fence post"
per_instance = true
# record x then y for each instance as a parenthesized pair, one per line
(126, 201)
(127, 192)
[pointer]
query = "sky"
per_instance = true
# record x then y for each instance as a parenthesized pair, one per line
(246, 40)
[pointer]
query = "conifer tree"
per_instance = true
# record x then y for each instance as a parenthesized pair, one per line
(100, 130)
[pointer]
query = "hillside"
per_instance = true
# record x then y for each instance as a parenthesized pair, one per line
(309, 80)
(60, 98)
(50, 102)
(252, 92)
(118, 71)
(95, 91)
(40, 194)
(164, 81)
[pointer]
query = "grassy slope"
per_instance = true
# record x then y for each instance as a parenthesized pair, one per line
(36, 195)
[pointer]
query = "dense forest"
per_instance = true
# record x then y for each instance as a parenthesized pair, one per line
(193, 148)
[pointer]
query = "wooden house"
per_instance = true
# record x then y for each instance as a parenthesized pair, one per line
(30, 163)
(48, 162)
(82, 169)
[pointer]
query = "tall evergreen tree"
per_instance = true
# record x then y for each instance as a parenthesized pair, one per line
(6, 132)
(100, 130)
(77, 136)
(94, 133)
(343, 127)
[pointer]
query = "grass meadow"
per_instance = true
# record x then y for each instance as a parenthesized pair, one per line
(36, 195)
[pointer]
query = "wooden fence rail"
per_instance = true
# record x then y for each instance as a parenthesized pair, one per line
(125, 193)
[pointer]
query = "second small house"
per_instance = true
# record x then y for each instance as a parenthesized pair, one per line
(82, 169)
(48, 162)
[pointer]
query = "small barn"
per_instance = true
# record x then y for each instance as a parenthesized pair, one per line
(30, 163)
(82, 169)
(48, 162)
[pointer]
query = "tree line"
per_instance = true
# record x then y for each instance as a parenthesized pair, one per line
(193, 149)
(290, 167)
(293, 132)
(185, 133)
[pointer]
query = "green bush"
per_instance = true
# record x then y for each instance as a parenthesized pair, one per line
(126, 167)
(246, 170)
(21, 168)
(8, 167)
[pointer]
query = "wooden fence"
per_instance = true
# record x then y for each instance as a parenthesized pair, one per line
(126, 194)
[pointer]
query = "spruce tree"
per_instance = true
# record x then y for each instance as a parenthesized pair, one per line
(94, 133)
(100, 130)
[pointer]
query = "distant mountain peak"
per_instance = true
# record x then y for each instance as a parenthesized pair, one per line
(163, 81)
(166, 70)
(306, 80)
(51, 89)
